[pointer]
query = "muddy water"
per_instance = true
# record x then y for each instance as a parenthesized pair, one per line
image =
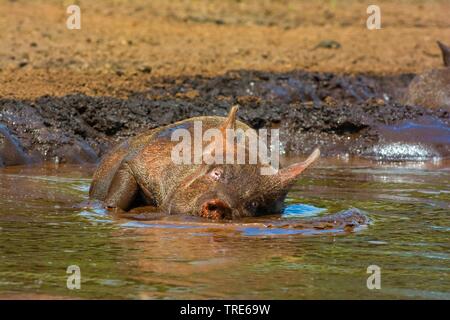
(43, 230)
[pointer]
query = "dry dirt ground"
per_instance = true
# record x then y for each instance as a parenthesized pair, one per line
(124, 44)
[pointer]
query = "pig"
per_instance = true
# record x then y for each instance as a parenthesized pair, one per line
(432, 88)
(140, 172)
(11, 151)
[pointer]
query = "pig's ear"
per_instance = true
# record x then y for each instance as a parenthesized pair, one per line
(230, 122)
(289, 174)
(445, 53)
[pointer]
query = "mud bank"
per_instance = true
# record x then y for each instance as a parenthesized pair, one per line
(343, 115)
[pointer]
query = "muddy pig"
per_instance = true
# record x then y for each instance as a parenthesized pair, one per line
(141, 172)
(432, 88)
(11, 151)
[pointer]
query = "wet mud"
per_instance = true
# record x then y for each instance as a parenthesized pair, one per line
(342, 114)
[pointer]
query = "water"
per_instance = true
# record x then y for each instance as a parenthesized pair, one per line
(43, 230)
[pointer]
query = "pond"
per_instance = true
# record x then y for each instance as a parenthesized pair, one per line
(44, 230)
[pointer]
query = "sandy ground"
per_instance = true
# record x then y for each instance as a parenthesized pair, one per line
(123, 45)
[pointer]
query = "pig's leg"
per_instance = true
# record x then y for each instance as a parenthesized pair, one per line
(143, 213)
(123, 189)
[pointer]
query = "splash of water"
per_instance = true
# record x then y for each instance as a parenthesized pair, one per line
(403, 151)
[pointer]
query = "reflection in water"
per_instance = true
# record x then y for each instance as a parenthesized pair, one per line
(301, 210)
(43, 229)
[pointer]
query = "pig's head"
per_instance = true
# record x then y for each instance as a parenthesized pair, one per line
(228, 191)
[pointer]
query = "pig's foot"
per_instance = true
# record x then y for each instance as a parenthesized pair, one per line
(140, 213)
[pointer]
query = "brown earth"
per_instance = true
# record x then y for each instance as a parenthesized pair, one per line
(123, 45)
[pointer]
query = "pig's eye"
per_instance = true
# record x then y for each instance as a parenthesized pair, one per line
(215, 174)
(253, 205)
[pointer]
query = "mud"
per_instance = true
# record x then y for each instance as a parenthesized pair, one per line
(343, 115)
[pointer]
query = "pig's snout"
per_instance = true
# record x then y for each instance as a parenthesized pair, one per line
(216, 209)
